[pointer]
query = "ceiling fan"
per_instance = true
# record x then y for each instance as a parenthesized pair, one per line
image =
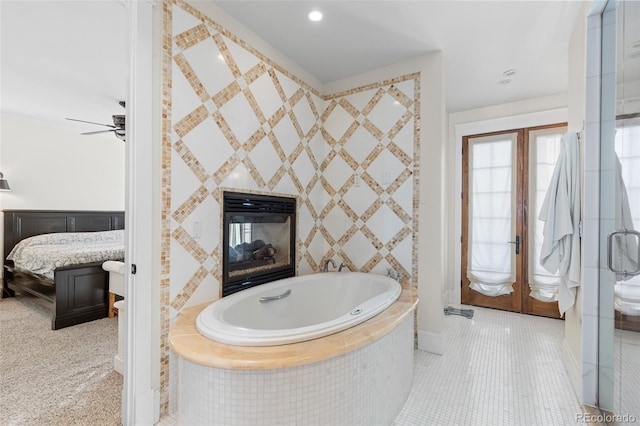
(118, 126)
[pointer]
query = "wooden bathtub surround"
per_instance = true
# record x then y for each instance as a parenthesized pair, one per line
(192, 346)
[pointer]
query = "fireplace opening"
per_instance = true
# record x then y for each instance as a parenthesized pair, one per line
(259, 237)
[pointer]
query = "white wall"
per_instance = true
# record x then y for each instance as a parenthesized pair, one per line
(55, 168)
(572, 344)
(581, 354)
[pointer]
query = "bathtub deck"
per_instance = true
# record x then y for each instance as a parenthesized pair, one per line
(191, 345)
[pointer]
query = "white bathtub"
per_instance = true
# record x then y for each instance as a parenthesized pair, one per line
(316, 305)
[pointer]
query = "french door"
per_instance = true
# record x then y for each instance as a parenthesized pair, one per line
(504, 181)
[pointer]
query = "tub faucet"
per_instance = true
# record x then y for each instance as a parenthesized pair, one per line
(342, 265)
(392, 273)
(326, 265)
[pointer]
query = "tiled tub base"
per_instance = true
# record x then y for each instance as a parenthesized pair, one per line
(366, 386)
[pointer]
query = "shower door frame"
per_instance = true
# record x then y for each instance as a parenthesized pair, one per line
(597, 323)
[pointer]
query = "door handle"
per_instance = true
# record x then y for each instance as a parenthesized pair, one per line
(622, 272)
(517, 243)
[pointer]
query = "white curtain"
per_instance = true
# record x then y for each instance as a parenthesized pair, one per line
(491, 259)
(544, 150)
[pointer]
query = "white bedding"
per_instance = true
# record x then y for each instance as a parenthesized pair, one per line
(42, 254)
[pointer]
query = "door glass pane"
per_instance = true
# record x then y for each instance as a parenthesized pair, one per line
(491, 260)
(626, 294)
(619, 304)
(544, 149)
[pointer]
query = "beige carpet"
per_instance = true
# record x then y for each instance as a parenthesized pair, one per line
(62, 377)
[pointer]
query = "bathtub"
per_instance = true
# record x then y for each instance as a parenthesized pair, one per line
(297, 309)
(361, 375)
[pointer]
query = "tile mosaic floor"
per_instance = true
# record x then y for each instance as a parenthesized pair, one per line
(627, 372)
(500, 368)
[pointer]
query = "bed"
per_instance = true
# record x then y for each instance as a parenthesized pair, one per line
(77, 292)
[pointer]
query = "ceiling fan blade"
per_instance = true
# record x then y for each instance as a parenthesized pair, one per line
(99, 131)
(91, 122)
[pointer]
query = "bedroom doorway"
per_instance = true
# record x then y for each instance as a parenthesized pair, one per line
(504, 180)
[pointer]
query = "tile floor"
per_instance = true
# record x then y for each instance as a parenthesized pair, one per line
(499, 368)
(627, 372)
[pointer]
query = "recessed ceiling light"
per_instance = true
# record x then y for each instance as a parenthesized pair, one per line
(315, 15)
(504, 82)
(510, 73)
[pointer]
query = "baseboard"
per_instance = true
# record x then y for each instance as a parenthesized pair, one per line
(431, 342)
(118, 364)
(145, 408)
(573, 369)
(446, 298)
(156, 410)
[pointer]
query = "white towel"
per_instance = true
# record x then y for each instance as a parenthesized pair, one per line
(561, 213)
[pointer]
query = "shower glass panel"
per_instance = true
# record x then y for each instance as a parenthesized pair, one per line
(619, 305)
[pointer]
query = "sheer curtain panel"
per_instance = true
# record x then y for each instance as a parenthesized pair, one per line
(491, 266)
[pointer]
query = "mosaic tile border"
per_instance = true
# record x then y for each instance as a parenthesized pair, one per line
(165, 240)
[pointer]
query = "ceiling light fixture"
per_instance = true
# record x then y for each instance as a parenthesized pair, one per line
(510, 73)
(315, 15)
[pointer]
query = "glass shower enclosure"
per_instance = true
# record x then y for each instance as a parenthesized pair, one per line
(619, 277)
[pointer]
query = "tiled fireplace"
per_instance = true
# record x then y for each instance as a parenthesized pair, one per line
(259, 236)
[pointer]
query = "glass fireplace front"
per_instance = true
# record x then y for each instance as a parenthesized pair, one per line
(259, 236)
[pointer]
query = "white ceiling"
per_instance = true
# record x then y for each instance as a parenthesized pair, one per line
(479, 39)
(68, 58)
(63, 59)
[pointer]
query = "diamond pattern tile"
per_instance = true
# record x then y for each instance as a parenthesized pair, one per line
(266, 95)
(207, 63)
(386, 113)
(240, 118)
(237, 120)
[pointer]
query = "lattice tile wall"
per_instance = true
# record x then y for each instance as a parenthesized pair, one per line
(241, 123)
(369, 176)
(234, 119)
